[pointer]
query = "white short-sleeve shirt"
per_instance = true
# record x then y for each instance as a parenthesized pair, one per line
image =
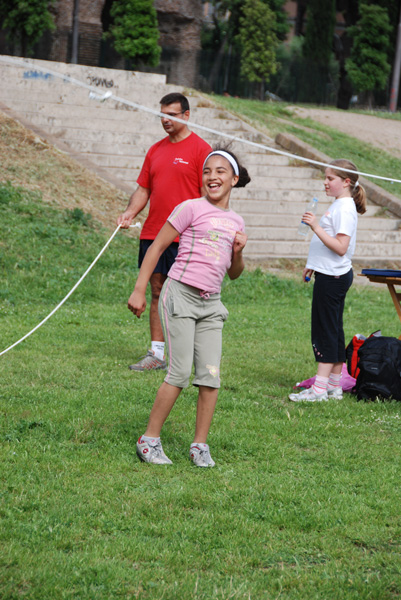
(341, 217)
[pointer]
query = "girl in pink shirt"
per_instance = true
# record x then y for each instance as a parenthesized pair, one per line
(212, 239)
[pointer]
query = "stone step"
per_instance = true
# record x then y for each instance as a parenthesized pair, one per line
(70, 97)
(272, 205)
(131, 143)
(275, 204)
(371, 224)
(117, 126)
(255, 249)
(116, 112)
(286, 183)
(290, 233)
(252, 159)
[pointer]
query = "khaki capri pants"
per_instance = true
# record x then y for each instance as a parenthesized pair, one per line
(192, 325)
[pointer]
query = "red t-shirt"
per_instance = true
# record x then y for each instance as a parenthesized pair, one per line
(172, 173)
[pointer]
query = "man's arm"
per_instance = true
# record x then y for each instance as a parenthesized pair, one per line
(136, 203)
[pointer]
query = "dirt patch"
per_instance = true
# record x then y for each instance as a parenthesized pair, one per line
(27, 160)
(383, 133)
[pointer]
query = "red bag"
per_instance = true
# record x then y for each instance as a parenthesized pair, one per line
(351, 352)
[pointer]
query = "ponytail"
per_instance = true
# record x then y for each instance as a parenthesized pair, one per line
(359, 196)
(357, 190)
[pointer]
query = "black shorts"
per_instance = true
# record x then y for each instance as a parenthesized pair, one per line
(165, 261)
(327, 316)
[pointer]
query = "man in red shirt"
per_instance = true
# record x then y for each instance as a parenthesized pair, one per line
(171, 173)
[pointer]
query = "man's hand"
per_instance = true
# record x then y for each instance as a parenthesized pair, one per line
(136, 203)
(125, 220)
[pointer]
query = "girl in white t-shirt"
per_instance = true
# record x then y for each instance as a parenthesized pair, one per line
(330, 253)
(212, 238)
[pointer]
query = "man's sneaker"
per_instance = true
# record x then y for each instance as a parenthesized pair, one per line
(308, 396)
(149, 362)
(152, 452)
(336, 393)
(199, 454)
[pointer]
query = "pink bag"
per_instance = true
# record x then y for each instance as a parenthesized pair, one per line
(347, 382)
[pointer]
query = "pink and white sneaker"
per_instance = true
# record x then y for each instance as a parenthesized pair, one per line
(308, 396)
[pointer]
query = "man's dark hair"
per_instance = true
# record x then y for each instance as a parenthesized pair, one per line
(175, 97)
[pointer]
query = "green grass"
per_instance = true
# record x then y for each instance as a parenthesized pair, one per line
(303, 502)
(276, 118)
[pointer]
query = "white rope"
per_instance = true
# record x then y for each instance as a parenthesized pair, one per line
(66, 297)
(94, 93)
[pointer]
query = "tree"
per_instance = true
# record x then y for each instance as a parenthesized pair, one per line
(318, 44)
(258, 43)
(235, 9)
(368, 67)
(281, 27)
(134, 30)
(25, 22)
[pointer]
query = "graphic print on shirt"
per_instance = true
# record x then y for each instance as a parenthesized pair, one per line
(220, 237)
(180, 160)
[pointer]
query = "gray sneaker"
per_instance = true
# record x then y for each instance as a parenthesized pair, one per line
(152, 452)
(149, 362)
(308, 395)
(336, 393)
(199, 454)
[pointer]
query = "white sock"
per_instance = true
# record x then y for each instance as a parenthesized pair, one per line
(158, 350)
(200, 445)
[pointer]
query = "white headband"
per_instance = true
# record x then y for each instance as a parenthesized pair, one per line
(226, 155)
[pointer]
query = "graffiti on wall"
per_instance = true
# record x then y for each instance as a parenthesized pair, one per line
(100, 81)
(37, 75)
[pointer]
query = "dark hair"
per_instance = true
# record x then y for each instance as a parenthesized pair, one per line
(243, 176)
(175, 97)
(357, 191)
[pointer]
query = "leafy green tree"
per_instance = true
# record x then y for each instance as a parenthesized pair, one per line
(368, 67)
(25, 22)
(258, 43)
(134, 31)
(223, 38)
(235, 8)
(318, 44)
(281, 27)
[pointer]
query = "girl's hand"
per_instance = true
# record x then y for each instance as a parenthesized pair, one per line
(310, 219)
(307, 273)
(137, 303)
(239, 242)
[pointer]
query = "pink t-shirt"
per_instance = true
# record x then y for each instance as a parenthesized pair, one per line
(206, 241)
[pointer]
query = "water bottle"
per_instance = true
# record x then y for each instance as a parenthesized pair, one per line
(303, 228)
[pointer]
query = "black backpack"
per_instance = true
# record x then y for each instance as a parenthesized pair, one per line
(380, 369)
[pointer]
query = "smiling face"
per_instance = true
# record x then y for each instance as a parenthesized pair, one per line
(335, 185)
(218, 180)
